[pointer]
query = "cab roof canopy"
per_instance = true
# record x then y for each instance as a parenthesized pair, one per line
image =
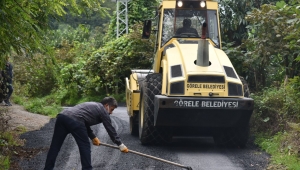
(190, 4)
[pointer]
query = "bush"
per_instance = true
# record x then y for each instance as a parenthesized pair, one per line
(268, 106)
(34, 76)
(107, 67)
(274, 107)
(48, 105)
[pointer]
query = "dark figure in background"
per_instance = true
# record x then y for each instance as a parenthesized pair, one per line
(77, 121)
(8, 76)
(187, 28)
(3, 87)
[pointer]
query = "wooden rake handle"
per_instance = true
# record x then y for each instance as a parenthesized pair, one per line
(149, 156)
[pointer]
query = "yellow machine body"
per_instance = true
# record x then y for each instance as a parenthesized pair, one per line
(193, 87)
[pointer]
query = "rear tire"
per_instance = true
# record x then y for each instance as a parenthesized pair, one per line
(148, 133)
(134, 126)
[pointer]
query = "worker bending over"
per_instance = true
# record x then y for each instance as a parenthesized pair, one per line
(77, 121)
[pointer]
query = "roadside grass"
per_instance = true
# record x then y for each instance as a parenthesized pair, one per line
(276, 123)
(4, 161)
(51, 105)
(284, 155)
(42, 105)
(8, 140)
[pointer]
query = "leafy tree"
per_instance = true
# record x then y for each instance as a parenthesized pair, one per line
(232, 18)
(91, 18)
(34, 76)
(23, 21)
(40, 74)
(108, 66)
(273, 48)
(67, 34)
(138, 10)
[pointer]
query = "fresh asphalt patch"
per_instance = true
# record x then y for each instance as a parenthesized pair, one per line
(199, 153)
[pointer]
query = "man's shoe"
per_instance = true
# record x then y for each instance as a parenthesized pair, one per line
(8, 104)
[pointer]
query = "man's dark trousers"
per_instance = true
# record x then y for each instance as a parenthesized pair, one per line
(10, 91)
(63, 126)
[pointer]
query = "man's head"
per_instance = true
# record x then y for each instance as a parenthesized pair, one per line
(187, 23)
(109, 103)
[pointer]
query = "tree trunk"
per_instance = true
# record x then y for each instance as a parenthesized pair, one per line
(106, 89)
(286, 62)
(294, 67)
(263, 77)
(286, 80)
(255, 80)
(117, 89)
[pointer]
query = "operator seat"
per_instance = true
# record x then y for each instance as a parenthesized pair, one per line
(187, 28)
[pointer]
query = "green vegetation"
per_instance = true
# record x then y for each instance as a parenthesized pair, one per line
(65, 62)
(8, 139)
(284, 148)
(82, 67)
(268, 57)
(24, 22)
(276, 124)
(35, 50)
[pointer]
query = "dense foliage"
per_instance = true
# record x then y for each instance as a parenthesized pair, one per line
(270, 54)
(273, 45)
(138, 11)
(23, 22)
(232, 18)
(83, 64)
(276, 106)
(24, 37)
(276, 123)
(109, 65)
(90, 17)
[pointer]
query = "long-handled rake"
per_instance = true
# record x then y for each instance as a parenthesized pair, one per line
(149, 156)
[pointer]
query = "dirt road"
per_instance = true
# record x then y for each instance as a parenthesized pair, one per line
(199, 153)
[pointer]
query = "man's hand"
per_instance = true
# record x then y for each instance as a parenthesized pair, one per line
(96, 141)
(123, 148)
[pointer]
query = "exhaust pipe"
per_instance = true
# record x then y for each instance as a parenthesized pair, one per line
(203, 53)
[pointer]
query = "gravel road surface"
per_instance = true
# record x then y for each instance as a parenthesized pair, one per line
(199, 153)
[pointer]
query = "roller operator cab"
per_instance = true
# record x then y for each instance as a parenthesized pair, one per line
(193, 88)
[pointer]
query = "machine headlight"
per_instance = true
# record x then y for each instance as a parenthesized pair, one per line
(179, 4)
(202, 4)
(235, 89)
